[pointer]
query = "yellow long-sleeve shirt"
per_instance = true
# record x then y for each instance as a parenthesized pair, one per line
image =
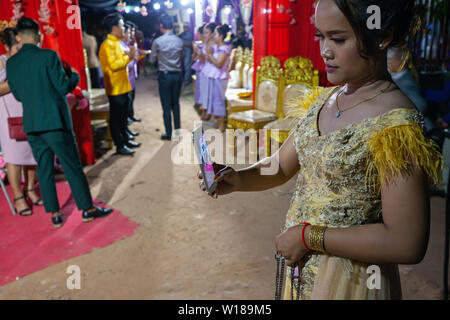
(114, 65)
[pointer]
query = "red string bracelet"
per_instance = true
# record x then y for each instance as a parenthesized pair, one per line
(305, 224)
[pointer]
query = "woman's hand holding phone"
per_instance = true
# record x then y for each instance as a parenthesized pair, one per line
(226, 177)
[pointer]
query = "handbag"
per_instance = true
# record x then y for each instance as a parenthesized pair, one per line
(15, 126)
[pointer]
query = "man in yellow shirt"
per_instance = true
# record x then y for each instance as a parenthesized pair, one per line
(117, 84)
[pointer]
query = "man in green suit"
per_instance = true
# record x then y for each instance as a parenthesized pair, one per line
(37, 79)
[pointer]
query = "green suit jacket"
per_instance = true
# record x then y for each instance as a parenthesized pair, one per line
(37, 79)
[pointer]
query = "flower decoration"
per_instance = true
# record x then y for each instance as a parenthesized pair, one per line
(121, 6)
(48, 29)
(209, 11)
(145, 1)
(144, 11)
(76, 99)
(312, 19)
(44, 12)
(247, 3)
(169, 4)
(44, 16)
(18, 10)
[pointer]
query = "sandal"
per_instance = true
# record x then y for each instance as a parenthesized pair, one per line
(25, 212)
(39, 202)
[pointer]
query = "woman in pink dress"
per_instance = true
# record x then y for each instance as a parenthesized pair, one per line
(197, 67)
(17, 154)
(217, 73)
(209, 45)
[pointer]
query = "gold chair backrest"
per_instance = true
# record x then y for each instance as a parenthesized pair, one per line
(238, 56)
(248, 58)
(298, 70)
(250, 77)
(247, 54)
(241, 59)
(86, 68)
(268, 79)
(298, 76)
(239, 52)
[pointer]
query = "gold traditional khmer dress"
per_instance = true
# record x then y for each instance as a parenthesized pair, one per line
(339, 186)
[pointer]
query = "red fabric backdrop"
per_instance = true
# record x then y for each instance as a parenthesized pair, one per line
(302, 37)
(61, 16)
(274, 33)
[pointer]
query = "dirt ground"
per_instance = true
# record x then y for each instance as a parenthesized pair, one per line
(190, 246)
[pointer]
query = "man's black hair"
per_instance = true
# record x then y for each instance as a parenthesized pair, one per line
(132, 24)
(29, 27)
(112, 20)
(167, 21)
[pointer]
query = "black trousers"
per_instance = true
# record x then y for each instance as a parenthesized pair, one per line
(131, 105)
(169, 93)
(118, 118)
(45, 145)
(95, 77)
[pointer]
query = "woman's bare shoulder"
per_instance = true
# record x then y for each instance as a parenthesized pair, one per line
(396, 99)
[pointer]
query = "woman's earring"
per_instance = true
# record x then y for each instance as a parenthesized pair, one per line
(380, 46)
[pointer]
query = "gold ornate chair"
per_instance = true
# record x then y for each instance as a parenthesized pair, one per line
(235, 81)
(250, 76)
(233, 101)
(298, 77)
(266, 98)
(98, 105)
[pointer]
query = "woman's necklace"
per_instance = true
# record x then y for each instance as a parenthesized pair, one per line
(339, 112)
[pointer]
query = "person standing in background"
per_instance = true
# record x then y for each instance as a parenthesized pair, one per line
(132, 75)
(133, 71)
(403, 77)
(139, 40)
(208, 47)
(114, 63)
(188, 37)
(37, 79)
(197, 67)
(168, 50)
(90, 45)
(216, 71)
(17, 154)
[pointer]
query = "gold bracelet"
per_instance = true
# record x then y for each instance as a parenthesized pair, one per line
(316, 238)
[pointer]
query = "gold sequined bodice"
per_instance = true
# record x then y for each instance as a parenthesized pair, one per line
(333, 186)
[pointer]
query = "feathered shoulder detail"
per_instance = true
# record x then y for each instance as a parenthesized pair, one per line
(299, 106)
(396, 150)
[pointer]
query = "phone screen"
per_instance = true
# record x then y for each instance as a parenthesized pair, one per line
(206, 162)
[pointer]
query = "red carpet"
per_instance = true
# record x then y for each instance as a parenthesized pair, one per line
(29, 244)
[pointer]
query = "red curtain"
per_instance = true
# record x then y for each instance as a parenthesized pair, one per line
(276, 33)
(62, 30)
(302, 39)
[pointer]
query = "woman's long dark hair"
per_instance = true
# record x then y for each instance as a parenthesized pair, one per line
(223, 30)
(399, 16)
(8, 37)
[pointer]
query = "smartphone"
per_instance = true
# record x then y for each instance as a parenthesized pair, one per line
(204, 158)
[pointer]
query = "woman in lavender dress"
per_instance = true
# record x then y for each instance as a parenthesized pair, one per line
(217, 74)
(209, 46)
(17, 154)
(197, 67)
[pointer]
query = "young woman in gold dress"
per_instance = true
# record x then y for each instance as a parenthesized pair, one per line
(362, 160)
